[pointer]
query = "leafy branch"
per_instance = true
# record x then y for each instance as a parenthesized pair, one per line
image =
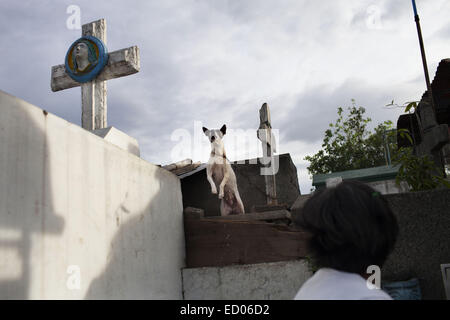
(407, 106)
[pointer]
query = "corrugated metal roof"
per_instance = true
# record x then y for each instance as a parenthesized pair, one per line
(364, 175)
(190, 173)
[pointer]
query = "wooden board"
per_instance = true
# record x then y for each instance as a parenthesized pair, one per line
(220, 242)
(260, 216)
(264, 208)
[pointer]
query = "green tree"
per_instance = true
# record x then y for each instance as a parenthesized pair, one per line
(348, 144)
(419, 172)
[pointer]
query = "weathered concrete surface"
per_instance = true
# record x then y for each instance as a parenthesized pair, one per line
(265, 281)
(251, 185)
(93, 93)
(423, 243)
(120, 139)
(74, 205)
(298, 205)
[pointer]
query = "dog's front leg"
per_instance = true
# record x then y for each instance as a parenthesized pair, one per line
(210, 179)
(226, 176)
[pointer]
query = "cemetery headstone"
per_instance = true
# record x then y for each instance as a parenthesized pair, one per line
(264, 134)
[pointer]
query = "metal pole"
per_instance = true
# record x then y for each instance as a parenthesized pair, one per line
(424, 59)
(387, 153)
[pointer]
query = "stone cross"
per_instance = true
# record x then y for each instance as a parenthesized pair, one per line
(268, 145)
(121, 63)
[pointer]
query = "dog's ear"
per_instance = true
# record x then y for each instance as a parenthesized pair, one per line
(223, 129)
(205, 129)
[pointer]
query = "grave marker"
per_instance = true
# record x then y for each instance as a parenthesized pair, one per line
(120, 63)
(265, 134)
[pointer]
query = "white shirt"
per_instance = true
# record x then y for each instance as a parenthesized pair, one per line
(331, 284)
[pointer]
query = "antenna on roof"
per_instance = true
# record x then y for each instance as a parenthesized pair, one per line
(424, 59)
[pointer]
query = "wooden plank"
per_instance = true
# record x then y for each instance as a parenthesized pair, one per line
(257, 216)
(223, 243)
(120, 63)
(264, 208)
(193, 213)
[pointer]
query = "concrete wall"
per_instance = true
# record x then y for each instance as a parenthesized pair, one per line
(265, 281)
(72, 204)
(424, 240)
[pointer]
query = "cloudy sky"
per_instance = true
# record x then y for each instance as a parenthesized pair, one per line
(210, 62)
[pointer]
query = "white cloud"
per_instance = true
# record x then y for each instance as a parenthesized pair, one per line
(218, 61)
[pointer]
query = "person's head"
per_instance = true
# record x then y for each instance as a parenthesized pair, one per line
(83, 54)
(82, 50)
(351, 227)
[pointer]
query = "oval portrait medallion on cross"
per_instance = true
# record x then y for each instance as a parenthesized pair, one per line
(86, 58)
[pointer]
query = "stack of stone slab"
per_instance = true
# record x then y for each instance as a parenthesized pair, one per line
(429, 128)
(441, 92)
(441, 95)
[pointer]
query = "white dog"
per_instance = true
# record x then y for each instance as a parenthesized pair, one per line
(219, 173)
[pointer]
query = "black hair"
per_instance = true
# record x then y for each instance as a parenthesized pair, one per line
(351, 227)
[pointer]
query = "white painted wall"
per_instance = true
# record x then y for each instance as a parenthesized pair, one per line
(120, 139)
(69, 198)
(389, 186)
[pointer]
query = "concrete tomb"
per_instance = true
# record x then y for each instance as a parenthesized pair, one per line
(81, 218)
